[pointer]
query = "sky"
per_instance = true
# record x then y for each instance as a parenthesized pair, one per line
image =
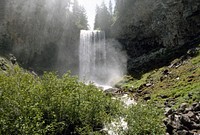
(90, 7)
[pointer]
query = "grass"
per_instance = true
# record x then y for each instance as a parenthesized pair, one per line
(181, 83)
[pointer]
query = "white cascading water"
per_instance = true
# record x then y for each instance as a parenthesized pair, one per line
(92, 57)
(102, 63)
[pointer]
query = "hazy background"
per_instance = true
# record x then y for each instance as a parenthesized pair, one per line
(90, 7)
(43, 34)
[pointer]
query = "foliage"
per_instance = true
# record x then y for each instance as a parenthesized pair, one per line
(144, 119)
(51, 105)
(103, 19)
(80, 17)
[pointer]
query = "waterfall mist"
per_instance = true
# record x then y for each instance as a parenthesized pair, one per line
(117, 61)
(100, 61)
(44, 34)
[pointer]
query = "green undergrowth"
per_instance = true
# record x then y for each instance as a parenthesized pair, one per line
(145, 119)
(52, 104)
(62, 105)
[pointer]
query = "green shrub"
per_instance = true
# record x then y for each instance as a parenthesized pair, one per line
(51, 105)
(145, 120)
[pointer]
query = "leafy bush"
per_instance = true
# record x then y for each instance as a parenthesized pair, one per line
(51, 105)
(145, 120)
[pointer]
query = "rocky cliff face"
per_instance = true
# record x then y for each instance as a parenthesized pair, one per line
(154, 32)
(2, 5)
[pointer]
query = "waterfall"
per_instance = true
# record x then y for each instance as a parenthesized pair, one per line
(92, 56)
(100, 61)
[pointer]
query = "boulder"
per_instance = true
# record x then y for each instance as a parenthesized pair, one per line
(195, 126)
(184, 120)
(163, 96)
(168, 111)
(190, 114)
(112, 91)
(147, 97)
(196, 107)
(193, 52)
(13, 59)
(182, 107)
(182, 132)
(148, 84)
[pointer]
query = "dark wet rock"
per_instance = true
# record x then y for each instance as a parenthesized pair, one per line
(170, 102)
(196, 118)
(147, 97)
(168, 111)
(180, 110)
(166, 72)
(194, 104)
(191, 76)
(166, 104)
(139, 91)
(142, 86)
(165, 121)
(193, 52)
(148, 84)
(184, 120)
(112, 91)
(183, 106)
(13, 59)
(190, 114)
(190, 94)
(146, 92)
(162, 78)
(132, 89)
(177, 95)
(177, 63)
(163, 96)
(3, 65)
(197, 107)
(195, 126)
(169, 127)
(194, 133)
(188, 109)
(190, 80)
(182, 132)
